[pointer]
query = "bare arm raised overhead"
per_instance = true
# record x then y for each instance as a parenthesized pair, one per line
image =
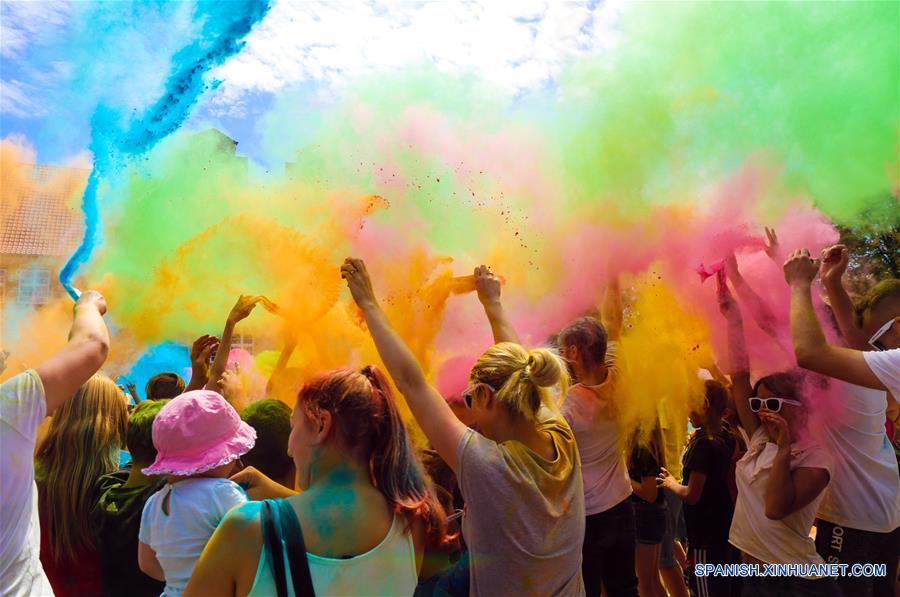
(739, 363)
(488, 287)
(832, 268)
(810, 345)
(241, 310)
(440, 425)
(81, 357)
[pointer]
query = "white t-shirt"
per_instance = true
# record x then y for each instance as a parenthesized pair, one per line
(196, 507)
(22, 408)
(864, 492)
(885, 364)
(784, 541)
(590, 412)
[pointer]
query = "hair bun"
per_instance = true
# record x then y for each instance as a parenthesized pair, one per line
(544, 368)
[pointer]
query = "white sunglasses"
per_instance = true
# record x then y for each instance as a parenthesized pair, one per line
(873, 341)
(772, 403)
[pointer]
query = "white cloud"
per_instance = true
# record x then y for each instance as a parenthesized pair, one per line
(16, 99)
(517, 44)
(23, 22)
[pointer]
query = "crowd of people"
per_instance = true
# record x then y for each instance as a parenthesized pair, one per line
(527, 484)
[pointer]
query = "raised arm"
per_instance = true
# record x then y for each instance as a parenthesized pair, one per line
(739, 364)
(132, 389)
(831, 272)
(812, 349)
(611, 312)
(488, 287)
(241, 310)
(201, 349)
(764, 317)
(81, 357)
(432, 412)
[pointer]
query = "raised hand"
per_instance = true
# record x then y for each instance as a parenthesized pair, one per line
(779, 427)
(201, 349)
(834, 263)
(487, 285)
(358, 281)
(800, 268)
(243, 307)
(773, 249)
(92, 298)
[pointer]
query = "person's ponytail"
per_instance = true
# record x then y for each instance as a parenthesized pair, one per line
(522, 378)
(396, 471)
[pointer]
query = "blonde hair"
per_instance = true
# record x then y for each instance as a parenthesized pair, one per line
(521, 377)
(82, 445)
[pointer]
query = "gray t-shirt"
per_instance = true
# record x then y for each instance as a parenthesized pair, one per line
(524, 519)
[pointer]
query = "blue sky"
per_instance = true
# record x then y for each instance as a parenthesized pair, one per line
(59, 59)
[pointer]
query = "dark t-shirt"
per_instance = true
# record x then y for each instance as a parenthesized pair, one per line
(709, 520)
(116, 521)
(642, 463)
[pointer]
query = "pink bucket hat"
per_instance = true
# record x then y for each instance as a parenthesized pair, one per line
(196, 432)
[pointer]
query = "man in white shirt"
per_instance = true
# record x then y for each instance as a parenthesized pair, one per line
(24, 402)
(860, 517)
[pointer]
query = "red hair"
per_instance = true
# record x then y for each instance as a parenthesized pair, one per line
(366, 419)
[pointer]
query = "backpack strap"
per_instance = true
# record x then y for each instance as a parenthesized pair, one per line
(296, 549)
(272, 545)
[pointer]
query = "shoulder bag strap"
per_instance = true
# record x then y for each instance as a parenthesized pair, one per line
(296, 550)
(272, 545)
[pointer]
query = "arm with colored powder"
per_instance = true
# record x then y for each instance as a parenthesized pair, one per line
(241, 310)
(739, 363)
(442, 428)
(831, 272)
(488, 287)
(763, 316)
(810, 346)
(81, 357)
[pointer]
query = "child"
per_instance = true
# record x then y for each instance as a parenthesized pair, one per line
(116, 518)
(198, 437)
(708, 507)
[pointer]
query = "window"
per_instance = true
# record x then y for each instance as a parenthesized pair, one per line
(34, 286)
(242, 341)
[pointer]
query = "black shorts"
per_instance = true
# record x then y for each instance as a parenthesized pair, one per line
(650, 521)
